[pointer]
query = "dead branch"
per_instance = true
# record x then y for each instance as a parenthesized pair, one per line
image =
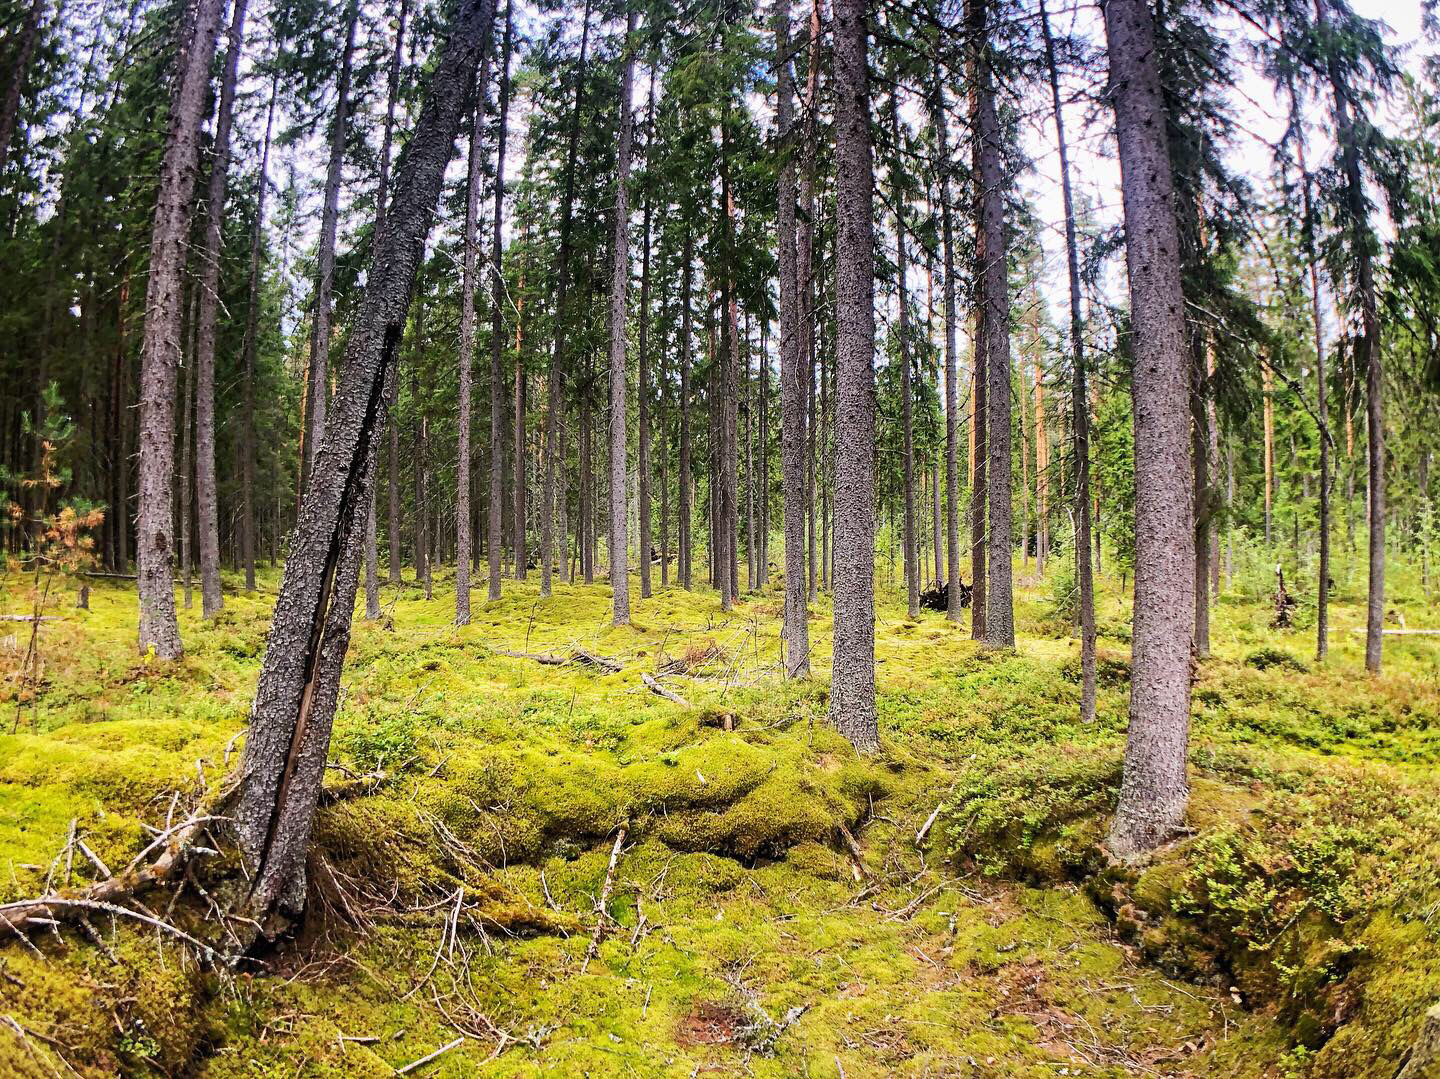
(653, 684)
(428, 1057)
(602, 915)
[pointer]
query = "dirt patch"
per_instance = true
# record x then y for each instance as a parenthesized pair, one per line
(710, 1023)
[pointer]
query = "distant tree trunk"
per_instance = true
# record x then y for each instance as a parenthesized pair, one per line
(250, 349)
(421, 462)
(319, 384)
(1042, 474)
(27, 38)
(495, 541)
(211, 600)
(686, 492)
(1079, 399)
(619, 282)
(806, 283)
(1368, 353)
(1200, 460)
(160, 349)
(852, 684)
(764, 437)
(939, 111)
(187, 456)
(1267, 384)
(908, 532)
(288, 744)
(469, 241)
(642, 393)
(729, 363)
(555, 387)
(994, 271)
(1154, 788)
(793, 369)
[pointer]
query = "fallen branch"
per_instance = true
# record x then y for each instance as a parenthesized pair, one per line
(590, 659)
(602, 914)
(653, 684)
(428, 1057)
(929, 821)
(547, 658)
(32, 618)
(37, 911)
(855, 851)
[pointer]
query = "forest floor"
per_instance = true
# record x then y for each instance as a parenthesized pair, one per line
(477, 798)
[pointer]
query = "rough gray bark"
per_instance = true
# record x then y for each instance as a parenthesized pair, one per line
(993, 266)
(1079, 399)
(908, 533)
(555, 383)
(10, 110)
(792, 371)
(319, 384)
(211, 601)
(619, 282)
(952, 356)
(160, 347)
(642, 392)
(249, 349)
(469, 241)
(1368, 352)
(1154, 788)
(495, 540)
(686, 492)
(285, 753)
(852, 684)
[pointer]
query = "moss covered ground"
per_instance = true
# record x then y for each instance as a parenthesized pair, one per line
(477, 797)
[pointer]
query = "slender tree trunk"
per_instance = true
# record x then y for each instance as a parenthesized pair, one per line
(250, 348)
(319, 383)
(852, 684)
(1267, 383)
(555, 388)
(1042, 474)
(793, 369)
(160, 350)
(908, 532)
(495, 541)
(1154, 788)
(806, 287)
(939, 112)
(642, 394)
(206, 484)
(1079, 399)
(1200, 459)
(10, 109)
(1368, 353)
(994, 270)
(289, 739)
(187, 462)
(686, 492)
(619, 282)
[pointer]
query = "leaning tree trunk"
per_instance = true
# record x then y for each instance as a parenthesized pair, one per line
(852, 683)
(285, 754)
(792, 370)
(160, 348)
(1079, 399)
(319, 383)
(495, 540)
(619, 279)
(952, 358)
(1154, 788)
(206, 487)
(249, 349)
(555, 383)
(994, 270)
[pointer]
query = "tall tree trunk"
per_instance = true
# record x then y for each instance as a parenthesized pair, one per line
(495, 541)
(319, 384)
(286, 751)
(160, 349)
(555, 384)
(1267, 384)
(794, 368)
(908, 535)
(852, 683)
(1042, 474)
(469, 241)
(642, 393)
(1079, 399)
(686, 492)
(1200, 461)
(939, 112)
(1368, 353)
(206, 485)
(993, 267)
(806, 284)
(187, 455)
(1154, 788)
(249, 349)
(10, 109)
(619, 282)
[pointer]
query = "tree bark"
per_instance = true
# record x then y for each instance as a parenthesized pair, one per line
(319, 384)
(908, 533)
(642, 393)
(619, 282)
(1079, 399)
(285, 753)
(852, 686)
(1154, 788)
(495, 541)
(160, 348)
(211, 600)
(793, 370)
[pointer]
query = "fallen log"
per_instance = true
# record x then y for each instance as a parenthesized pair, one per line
(653, 684)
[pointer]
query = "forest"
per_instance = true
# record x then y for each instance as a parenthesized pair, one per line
(645, 538)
